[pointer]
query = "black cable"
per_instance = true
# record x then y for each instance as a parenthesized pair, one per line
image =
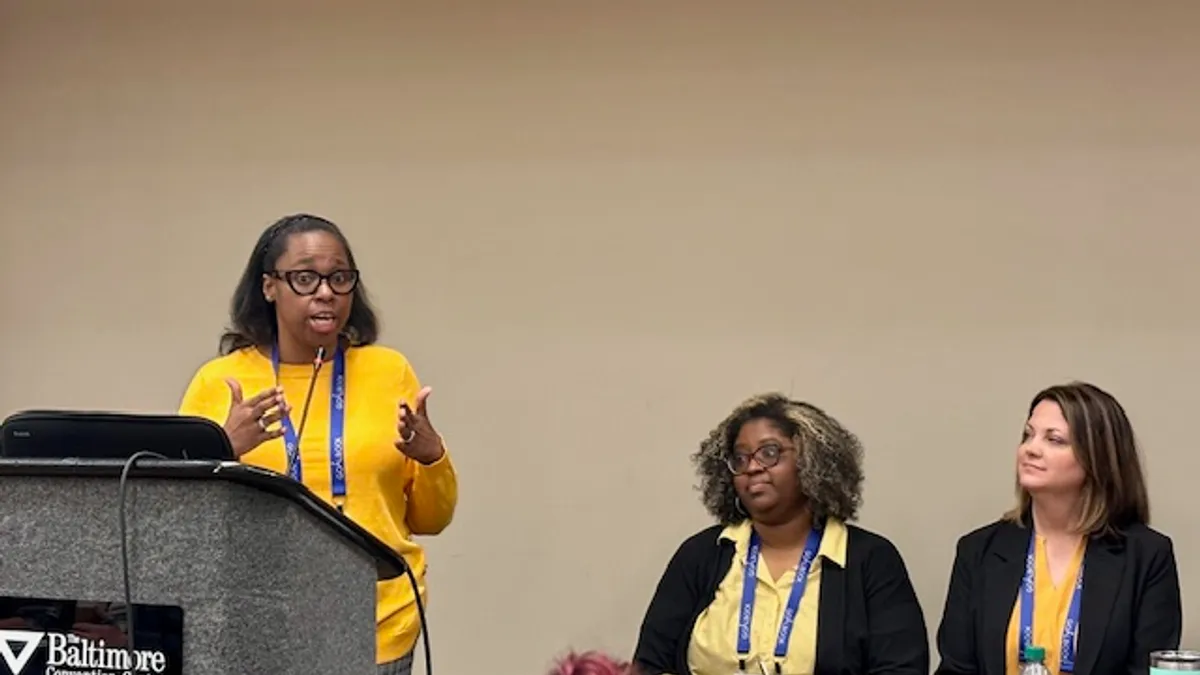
(123, 493)
(129, 611)
(412, 579)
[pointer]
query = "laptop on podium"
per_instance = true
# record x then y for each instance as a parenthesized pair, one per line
(71, 434)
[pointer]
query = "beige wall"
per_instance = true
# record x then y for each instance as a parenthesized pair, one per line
(595, 227)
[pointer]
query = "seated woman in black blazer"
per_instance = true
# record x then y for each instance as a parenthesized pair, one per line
(783, 585)
(1074, 568)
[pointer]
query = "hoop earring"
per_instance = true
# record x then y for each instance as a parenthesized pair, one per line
(737, 504)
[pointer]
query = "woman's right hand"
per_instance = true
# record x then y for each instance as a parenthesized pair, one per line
(249, 423)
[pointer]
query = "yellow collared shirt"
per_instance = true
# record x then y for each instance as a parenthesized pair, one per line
(713, 647)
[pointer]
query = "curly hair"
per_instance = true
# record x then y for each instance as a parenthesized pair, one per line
(828, 461)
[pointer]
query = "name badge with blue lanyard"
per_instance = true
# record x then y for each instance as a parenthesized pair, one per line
(750, 579)
(337, 430)
(1070, 629)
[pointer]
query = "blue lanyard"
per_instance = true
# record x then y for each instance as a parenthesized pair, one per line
(337, 429)
(1070, 629)
(750, 578)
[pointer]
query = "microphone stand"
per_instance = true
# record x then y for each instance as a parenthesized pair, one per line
(312, 384)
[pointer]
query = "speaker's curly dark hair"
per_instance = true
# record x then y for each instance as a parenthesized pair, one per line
(828, 461)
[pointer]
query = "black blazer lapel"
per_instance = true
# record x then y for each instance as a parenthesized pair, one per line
(831, 620)
(1103, 568)
(1002, 572)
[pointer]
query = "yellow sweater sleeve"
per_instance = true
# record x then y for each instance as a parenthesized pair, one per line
(433, 488)
(207, 398)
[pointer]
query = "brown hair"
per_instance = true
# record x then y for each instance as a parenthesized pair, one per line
(1114, 488)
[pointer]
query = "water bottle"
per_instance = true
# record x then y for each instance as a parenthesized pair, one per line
(1035, 661)
(1174, 662)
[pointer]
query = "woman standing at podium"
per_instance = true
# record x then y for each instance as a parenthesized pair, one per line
(300, 320)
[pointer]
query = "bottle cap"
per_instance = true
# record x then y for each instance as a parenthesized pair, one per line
(1033, 653)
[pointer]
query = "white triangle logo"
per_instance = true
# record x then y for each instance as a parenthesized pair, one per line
(26, 643)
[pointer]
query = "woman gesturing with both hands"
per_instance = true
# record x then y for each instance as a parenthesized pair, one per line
(300, 317)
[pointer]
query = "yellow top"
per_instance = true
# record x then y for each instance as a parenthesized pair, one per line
(390, 495)
(713, 647)
(1050, 606)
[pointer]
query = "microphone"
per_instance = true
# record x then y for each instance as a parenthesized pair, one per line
(312, 384)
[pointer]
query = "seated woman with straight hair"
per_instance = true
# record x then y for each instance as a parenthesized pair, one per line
(1074, 569)
(782, 585)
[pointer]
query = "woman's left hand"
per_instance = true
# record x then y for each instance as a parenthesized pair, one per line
(417, 439)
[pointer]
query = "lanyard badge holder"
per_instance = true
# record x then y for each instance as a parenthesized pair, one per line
(1070, 633)
(746, 615)
(337, 425)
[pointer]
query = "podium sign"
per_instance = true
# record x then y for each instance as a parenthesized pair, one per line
(51, 636)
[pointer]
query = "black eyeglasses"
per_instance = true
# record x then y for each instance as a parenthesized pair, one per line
(767, 456)
(306, 282)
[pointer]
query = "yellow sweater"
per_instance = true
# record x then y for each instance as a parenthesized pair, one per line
(390, 495)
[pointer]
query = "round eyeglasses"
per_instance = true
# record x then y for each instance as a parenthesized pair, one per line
(767, 456)
(306, 282)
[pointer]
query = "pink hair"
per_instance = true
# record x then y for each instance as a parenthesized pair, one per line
(590, 663)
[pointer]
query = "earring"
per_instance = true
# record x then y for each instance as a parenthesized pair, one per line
(737, 504)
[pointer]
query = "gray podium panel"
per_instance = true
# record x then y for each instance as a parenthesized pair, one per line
(266, 588)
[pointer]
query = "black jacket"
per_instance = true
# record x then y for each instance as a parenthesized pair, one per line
(868, 619)
(1130, 605)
